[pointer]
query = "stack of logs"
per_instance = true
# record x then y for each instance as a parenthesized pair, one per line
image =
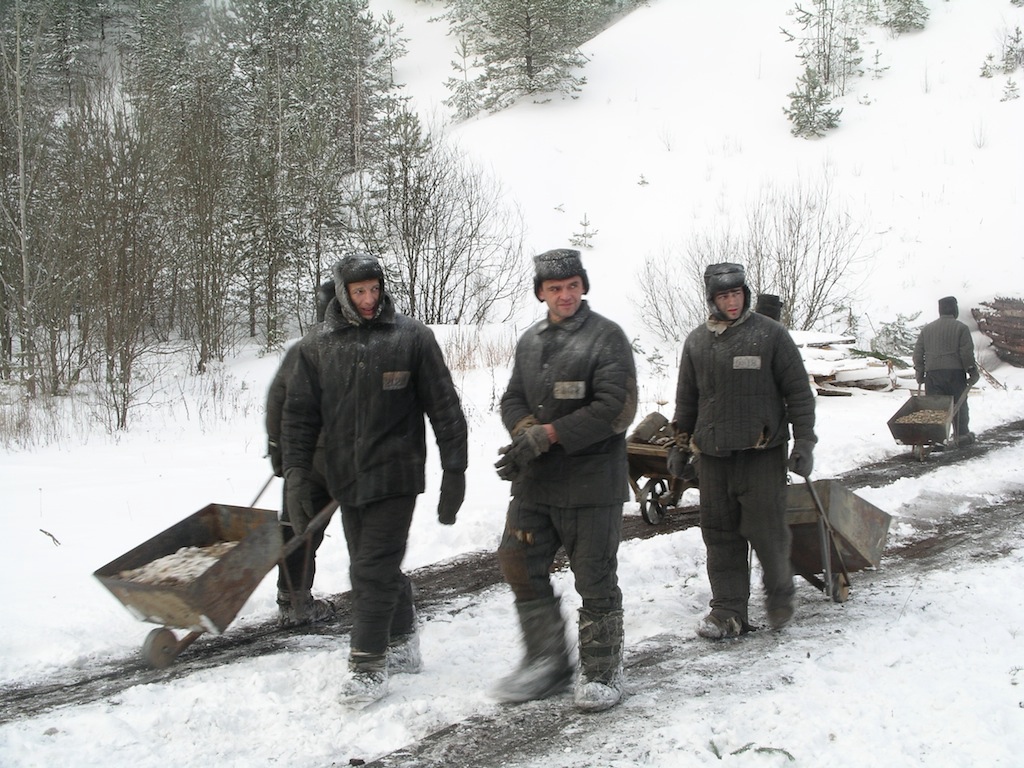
(1002, 320)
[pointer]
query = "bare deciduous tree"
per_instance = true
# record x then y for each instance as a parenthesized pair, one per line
(798, 243)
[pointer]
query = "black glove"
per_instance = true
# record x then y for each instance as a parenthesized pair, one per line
(298, 495)
(525, 448)
(973, 375)
(677, 460)
(801, 458)
(453, 491)
(274, 452)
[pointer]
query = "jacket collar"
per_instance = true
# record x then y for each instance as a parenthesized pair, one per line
(570, 324)
(718, 327)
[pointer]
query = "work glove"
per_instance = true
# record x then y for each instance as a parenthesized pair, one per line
(298, 495)
(973, 374)
(801, 458)
(274, 452)
(677, 460)
(453, 491)
(526, 447)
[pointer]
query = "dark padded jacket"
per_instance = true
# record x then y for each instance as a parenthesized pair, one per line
(366, 385)
(943, 345)
(579, 376)
(741, 385)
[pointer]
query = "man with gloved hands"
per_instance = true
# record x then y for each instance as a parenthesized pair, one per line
(570, 399)
(363, 382)
(742, 384)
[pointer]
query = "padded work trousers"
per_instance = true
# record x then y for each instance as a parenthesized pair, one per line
(743, 500)
(590, 536)
(382, 598)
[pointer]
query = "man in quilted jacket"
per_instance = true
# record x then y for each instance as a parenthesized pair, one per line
(742, 385)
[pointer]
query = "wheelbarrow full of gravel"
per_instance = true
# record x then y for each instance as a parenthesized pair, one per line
(196, 575)
(925, 421)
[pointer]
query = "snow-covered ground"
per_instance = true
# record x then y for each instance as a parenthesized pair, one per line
(921, 668)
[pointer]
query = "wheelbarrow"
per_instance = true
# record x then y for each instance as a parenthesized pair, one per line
(654, 487)
(835, 532)
(925, 421)
(243, 543)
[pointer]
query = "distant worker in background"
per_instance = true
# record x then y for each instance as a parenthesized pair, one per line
(742, 384)
(295, 602)
(570, 398)
(769, 305)
(944, 362)
(366, 380)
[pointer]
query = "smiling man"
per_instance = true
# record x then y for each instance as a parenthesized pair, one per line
(741, 385)
(570, 399)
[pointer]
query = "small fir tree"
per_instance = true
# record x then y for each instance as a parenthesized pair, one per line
(808, 108)
(906, 15)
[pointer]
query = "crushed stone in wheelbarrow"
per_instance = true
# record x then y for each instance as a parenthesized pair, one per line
(924, 417)
(180, 567)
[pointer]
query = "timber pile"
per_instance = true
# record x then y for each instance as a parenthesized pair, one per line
(1002, 320)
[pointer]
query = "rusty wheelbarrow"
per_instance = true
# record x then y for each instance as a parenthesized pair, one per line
(197, 574)
(835, 532)
(654, 487)
(925, 421)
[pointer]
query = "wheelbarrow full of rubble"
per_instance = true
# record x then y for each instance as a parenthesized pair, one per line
(925, 421)
(197, 574)
(654, 487)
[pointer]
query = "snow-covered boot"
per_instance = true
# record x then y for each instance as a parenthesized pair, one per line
(404, 654)
(545, 669)
(367, 680)
(600, 681)
(303, 608)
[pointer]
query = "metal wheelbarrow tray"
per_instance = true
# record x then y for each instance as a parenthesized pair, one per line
(210, 601)
(845, 530)
(922, 434)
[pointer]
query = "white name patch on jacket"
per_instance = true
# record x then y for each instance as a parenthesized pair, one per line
(746, 363)
(570, 390)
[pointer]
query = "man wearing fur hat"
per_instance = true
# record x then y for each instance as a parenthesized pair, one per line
(742, 384)
(570, 399)
(944, 362)
(364, 379)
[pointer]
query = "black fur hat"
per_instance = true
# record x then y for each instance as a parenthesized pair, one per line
(948, 306)
(356, 267)
(769, 305)
(558, 264)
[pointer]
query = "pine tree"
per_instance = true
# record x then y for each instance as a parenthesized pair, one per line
(906, 15)
(465, 100)
(808, 109)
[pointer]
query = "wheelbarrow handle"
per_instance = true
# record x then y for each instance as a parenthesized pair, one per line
(319, 521)
(828, 535)
(263, 489)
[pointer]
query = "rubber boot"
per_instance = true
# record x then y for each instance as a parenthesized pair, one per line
(296, 609)
(545, 668)
(600, 680)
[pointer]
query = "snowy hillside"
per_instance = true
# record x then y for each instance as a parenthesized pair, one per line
(921, 667)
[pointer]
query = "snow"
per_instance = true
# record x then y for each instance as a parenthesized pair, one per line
(918, 667)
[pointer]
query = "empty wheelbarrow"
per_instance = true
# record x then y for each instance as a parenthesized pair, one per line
(835, 532)
(197, 574)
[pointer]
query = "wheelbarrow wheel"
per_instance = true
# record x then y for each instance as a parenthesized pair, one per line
(840, 588)
(651, 508)
(160, 648)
